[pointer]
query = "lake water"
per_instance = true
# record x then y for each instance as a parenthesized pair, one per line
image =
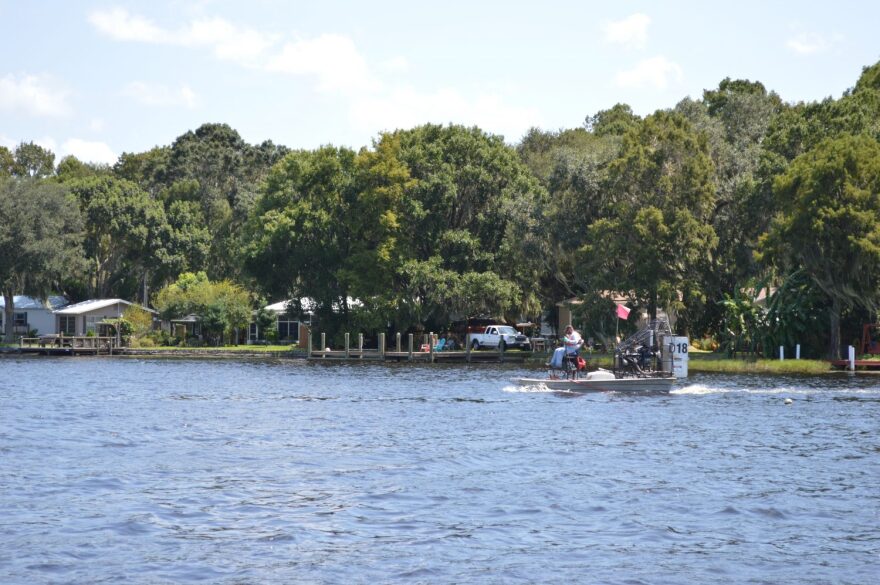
(165, 471)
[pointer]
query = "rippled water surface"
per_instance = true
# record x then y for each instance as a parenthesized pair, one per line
(130, 471)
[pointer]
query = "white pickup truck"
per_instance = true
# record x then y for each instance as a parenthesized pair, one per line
(499, 336)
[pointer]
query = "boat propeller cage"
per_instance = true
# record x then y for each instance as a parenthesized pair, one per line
(639, 354)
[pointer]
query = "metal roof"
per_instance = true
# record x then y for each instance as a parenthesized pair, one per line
(23, 303)
(309, 305)
(281, 307)
(94, 305)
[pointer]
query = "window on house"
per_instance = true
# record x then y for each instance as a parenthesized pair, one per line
(92, 323)
(19, 319)
(253, 332)
(288, 331)
(67, 324)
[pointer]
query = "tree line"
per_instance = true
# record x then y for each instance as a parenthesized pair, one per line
(699, 209)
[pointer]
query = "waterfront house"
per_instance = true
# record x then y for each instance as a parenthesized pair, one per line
(290, 329)
(32, 314)
(87, 316)
(564, 311)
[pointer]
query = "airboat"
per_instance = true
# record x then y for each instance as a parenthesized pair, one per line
(639, 367)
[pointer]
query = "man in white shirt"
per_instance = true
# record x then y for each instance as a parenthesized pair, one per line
(571, 343)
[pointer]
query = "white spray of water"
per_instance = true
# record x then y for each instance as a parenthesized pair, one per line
(525, 389)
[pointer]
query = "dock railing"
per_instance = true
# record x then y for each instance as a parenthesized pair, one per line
(405, 348)
(68, 344)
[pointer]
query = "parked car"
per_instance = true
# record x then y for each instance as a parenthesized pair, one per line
(499, 336)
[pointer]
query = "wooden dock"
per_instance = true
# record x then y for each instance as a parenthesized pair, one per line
(67, 345)
(860, 364)
(424, 353)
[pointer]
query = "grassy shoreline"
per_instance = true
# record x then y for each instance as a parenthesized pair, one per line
(699, 362)
(715, 363)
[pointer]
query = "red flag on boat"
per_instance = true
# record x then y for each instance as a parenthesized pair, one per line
(622, 312)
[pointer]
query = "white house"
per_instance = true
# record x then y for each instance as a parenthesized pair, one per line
(80, 318)
(290, 330)
(32, 314)
(564, 309)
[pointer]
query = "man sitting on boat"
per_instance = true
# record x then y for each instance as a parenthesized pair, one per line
(571, 343)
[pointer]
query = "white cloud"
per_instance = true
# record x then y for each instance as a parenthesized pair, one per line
(333, 59)
(632, 31)
(86, 151)
(7, 142)
(36, 95)
(655, 72)
(808, 44)
(160, 95)
(406, 107)
(227, 41)
(395, 65)
(118, 24)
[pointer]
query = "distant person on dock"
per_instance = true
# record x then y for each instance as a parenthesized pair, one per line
(571, 343)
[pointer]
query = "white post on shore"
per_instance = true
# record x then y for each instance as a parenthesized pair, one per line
(382, 346)
(797, 351)
(309, 343)
(410, 346)
(398, 342)
(361, 345)
(347, 344)
(852, 358)
(781, 353)
(323, 345)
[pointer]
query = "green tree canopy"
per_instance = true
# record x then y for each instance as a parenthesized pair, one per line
(71, 167)
(221, 172)
(572, 165)
(222, 307)
(830, 224)
(465, 210)
(655, 230)
(734, 118)
(614, 122)
(125, 233)
(7, 162)
(32, 160)
(300, 235)
(40, 235)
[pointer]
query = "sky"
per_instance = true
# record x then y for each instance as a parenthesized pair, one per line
(95, 79)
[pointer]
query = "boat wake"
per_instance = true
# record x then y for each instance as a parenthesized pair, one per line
(703, 389)
(536, 388)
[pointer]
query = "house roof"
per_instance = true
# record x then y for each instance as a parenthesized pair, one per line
(308, 305)
(605, 294)
(94, 305)
(21, 302)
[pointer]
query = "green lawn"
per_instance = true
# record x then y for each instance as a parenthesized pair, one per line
(226, 348)
(711, 362)
(700, 361)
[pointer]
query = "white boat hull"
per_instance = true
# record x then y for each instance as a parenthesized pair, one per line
(602, 384)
